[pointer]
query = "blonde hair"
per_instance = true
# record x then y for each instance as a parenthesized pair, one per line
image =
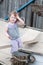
(13, 12)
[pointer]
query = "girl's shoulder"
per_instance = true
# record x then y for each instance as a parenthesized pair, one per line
(7, 25)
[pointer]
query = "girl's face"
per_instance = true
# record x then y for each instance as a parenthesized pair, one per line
(13, 18)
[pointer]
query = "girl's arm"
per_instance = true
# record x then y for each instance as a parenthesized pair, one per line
(20, 21)
(6, 33)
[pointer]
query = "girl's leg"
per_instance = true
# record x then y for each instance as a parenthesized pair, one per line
(20, 44)
(14, 47)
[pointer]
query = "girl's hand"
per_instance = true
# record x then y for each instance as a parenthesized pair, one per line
(9, 37)
(17, 16)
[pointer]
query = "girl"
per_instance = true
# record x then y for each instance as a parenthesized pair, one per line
(12, 31)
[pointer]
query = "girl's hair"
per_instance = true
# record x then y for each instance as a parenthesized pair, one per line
(13, 12)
